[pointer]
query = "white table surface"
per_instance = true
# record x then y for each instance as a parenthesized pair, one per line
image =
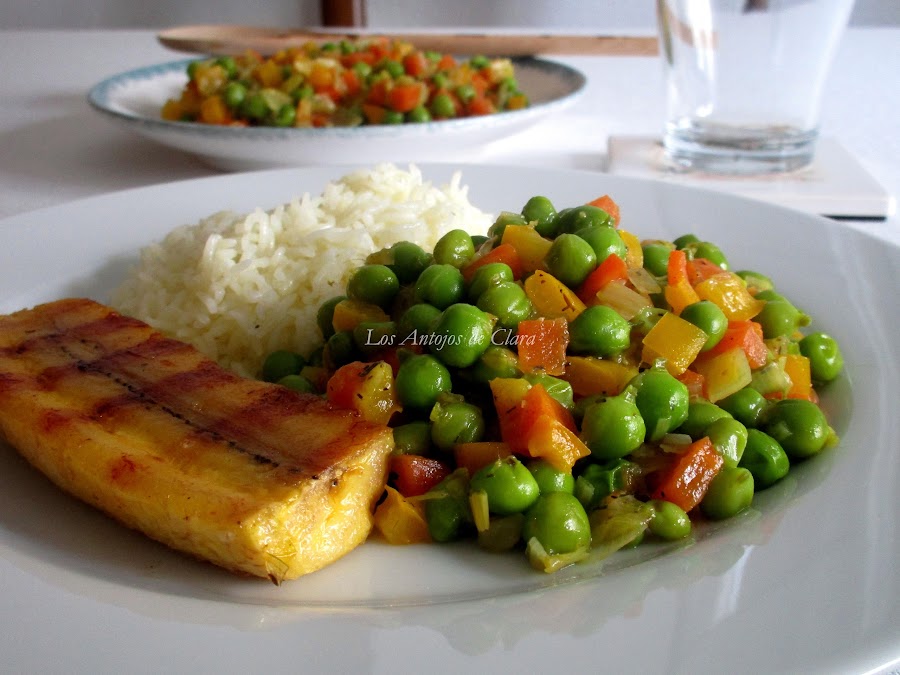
(54, 148)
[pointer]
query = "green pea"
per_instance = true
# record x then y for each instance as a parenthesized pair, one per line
(394, 68)
(700, 415)
(684, 240)
(255, 107)
(461, 335)
(613, 427)
(505, 218)
(280, 363)
(747, 406)
(392, 117)
(373, 336)
(285, 116)
(540, 211)
(729, 493)
(465, 92)
(325, 315)
(729, 437)
(765, 459)
(413, 438)
(447, 509)
(418, 114)
(571, 259)
(599, 331)
(598, 481)
(375, 284)
(707, 316)
(192, 68)
(799, 426)
(497, 361)
(605, 241)
(340, 349)
(298, 383)
(509, 485)
(560, 390)
(408, 261)
(454, 248)
(455, 422)
(508, 302)
(362, 69)
(662, 400)
(442, 106)
(559, 523)
(234, 94)
(549, 478)
(440, 285)
(581, 217)
(420, 380)
(502, 534)
(656, 258)
(479, 61)
(711, 252)
(416, 322)
(669, 521)
(824, 354)
(486, 276)
(755, 281)
(779, 317)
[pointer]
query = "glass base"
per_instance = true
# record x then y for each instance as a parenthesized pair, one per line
(730, 150)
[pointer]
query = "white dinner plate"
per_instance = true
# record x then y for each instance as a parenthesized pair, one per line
(135, 98)
(806, 581)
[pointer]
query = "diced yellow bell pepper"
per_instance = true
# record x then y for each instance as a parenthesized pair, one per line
(634, 258)
(400, 520)
(551, 298)
(551, 440)
(675, 340)
(589, 375)
(728, 291)
(797, 368)
(348, 314)
(529, 244)
(725, 373)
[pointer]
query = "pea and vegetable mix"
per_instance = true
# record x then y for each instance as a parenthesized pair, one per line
(560, 387)
(344, 84)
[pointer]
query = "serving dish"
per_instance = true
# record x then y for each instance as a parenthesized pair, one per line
(812, 564)
(134, 99)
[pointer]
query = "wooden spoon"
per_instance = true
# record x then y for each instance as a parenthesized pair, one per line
(232, 39)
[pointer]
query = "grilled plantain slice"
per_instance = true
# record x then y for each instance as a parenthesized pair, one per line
(248, 475)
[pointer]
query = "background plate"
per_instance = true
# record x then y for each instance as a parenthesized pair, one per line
(805, 581)
(136, 97)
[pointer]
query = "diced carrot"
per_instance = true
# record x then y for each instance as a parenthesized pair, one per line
(479, 106)
(748, 335)
(686, 481)
(609, 205)
(378, 93)
(542, 345)
(352, 83)
(504, 253)
(405, 97)
(415, 63)
(446, 62)
(474, 456)
(612, 268)
(415, 475)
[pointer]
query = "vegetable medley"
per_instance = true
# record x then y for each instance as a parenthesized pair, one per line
(561, 387)
(344, 84)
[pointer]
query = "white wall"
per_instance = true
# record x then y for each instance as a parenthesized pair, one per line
(602, 15)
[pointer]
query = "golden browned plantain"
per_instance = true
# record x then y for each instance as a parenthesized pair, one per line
(251, 476)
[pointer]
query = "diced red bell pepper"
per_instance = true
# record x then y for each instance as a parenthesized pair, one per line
(701, 269)
(504, 253)
(542, 345)
(414, 475)
(686, 481)
(748, 335)
(612, 268)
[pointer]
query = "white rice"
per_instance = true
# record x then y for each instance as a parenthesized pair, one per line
(239, 286)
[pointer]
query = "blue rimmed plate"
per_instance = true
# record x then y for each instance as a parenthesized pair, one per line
(135, 98)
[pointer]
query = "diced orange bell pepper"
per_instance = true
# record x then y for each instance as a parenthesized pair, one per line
(504, 253)
(748, 335)
(590, 375)
(553, 441)
(529, 244)
(686, 481)
(611, 269)
(725, 373)
(367, 388)
(674, 339)
(414, 475)
(474, 456)
(678, 292)
(400, 520)
(542, 344)
(728, 291)
(551, 297)
(609, 205)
